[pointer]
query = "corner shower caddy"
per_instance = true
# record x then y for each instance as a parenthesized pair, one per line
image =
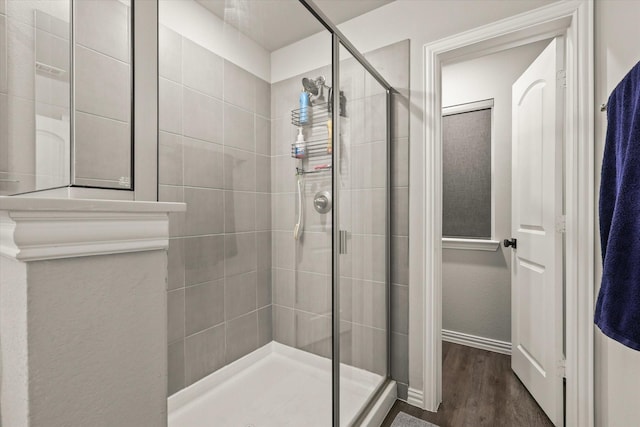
(317, 143)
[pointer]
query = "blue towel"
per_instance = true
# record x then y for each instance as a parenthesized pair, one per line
(618, 307)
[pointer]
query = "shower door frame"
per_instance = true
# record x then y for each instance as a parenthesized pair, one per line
(337, 40)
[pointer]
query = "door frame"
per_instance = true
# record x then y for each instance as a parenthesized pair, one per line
(574, 20)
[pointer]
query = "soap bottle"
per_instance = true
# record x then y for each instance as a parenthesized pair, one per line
(305, 102)
(300, 145)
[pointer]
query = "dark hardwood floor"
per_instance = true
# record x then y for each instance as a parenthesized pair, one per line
(478, 389)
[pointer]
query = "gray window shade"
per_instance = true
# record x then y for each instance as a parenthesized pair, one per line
(466, 158)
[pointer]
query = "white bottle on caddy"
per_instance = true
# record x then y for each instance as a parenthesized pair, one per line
(300, 147)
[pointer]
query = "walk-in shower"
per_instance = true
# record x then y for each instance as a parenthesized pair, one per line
(279, 273)
(276, 133)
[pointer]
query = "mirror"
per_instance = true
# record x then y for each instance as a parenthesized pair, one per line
(52, 100)
(65, 111)
(102, 94)
(34, 95)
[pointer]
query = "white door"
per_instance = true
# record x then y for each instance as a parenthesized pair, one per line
(536, 275)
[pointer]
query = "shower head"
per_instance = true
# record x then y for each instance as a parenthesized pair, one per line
(313, 86)
(310, 86)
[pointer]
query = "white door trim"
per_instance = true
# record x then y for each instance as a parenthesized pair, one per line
(574, 19)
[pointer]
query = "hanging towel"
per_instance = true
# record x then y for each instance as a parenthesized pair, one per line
(618, 308)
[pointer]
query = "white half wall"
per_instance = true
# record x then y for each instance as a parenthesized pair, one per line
(616, 51)
(476, 285)
(198, 24)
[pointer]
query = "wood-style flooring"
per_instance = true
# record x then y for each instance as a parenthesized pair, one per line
(478, 389)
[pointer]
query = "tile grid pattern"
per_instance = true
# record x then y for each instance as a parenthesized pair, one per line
(393, 63)
(301, 280)
(301, 269)
(215, 156)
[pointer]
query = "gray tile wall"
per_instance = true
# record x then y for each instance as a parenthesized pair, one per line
(214, 154)
(103, 94)
(301, 269)
(393, 63)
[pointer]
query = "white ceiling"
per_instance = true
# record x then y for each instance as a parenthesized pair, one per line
(277, 23)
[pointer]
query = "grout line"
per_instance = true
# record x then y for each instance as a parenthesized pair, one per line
(97, 115)
(328, 315)
(106, 55)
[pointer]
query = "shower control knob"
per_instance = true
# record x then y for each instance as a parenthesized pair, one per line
(322, 202)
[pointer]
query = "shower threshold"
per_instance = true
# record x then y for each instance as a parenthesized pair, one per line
(274, 386)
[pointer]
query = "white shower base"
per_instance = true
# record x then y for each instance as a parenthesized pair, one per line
(274, 386)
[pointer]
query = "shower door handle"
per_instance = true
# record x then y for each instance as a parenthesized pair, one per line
(342, 244)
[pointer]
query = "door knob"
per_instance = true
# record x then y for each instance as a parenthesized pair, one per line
(513, 243)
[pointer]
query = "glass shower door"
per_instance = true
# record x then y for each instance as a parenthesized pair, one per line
(361, 238)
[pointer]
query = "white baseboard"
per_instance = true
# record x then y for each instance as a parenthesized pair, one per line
(415, 397)
(474, 341)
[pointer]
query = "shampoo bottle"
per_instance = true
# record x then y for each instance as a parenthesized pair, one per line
(304, 108)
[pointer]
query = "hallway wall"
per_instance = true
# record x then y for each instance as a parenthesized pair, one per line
(476, 285)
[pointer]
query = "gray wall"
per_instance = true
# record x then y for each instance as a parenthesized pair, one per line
(223, 154)
(301, 280)
(83, 341)
(301, 269)
(215, 156)
(476, 294)
(393, 64)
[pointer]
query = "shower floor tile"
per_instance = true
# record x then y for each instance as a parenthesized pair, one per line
(275, 386)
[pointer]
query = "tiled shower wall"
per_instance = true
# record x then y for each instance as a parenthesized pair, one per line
(214, 155)
(393, 63)
(301, 269)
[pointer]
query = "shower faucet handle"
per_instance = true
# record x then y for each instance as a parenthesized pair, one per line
(322, 202)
